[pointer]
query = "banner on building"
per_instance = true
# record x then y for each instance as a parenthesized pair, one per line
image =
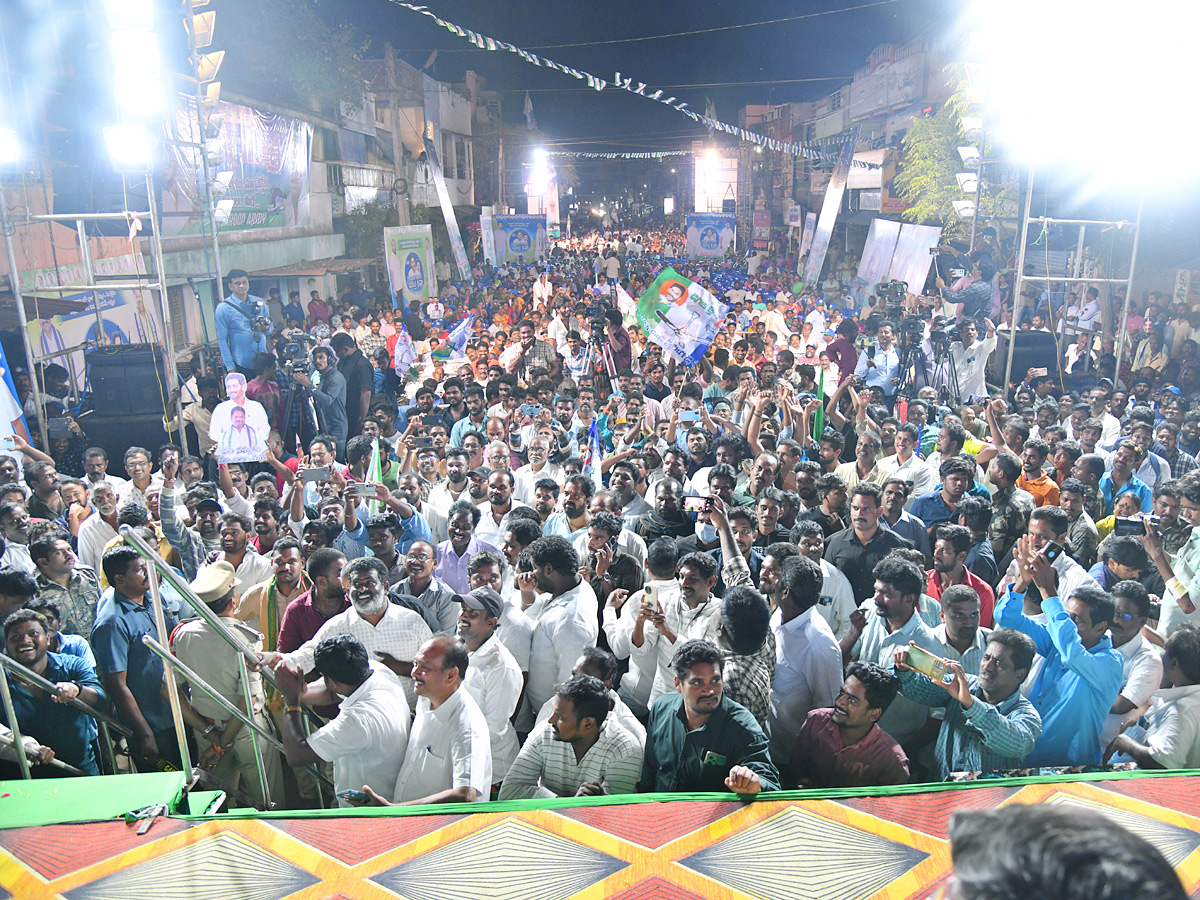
(456, 242)
(408, 252)
(876, 258)
(890, 201)
(710, 234)
(266, 157)
(830, 207)
(487, 237)
(126, 317)
(795, 216)
(762, 229)
(911, 261)
(810, 228)
(680, 316)
(520, 239)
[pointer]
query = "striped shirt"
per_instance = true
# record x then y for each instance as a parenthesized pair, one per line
(546, 767)
(984, 738)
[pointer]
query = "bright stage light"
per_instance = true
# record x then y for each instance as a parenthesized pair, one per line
(129, 148)
(1098, 84)
(10, 147)
(130, 13)
(965, 208)
(968, 182)
(969, 156)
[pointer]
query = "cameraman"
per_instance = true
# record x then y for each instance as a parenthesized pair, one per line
(243, 323)
(329, 394)
(618, 341)
(976, 297)
(971, 356)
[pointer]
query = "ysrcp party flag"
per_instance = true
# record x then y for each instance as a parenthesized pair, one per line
(627, 305)
(680, 316)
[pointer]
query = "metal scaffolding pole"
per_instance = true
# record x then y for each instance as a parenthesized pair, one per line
(1124, 333)
(164, 307)
(14, 283)
(1017, 285)
(11, 712)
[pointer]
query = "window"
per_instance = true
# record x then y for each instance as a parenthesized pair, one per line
(448, 169)
(460, 159)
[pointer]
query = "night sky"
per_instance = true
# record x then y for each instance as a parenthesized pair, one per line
(822, 47)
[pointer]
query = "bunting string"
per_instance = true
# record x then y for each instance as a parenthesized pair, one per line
(632, 154)
(483, 42)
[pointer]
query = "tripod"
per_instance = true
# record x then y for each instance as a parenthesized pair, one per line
(945, 376)
(604, 371)
(309, 417)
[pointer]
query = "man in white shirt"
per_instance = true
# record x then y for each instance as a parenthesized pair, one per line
(836, 602)
(1171, 736)
(808, 659)
(493, 675)
(690, 613)
(449, 755)
(367, 740)
(543, 290)
(537, 468)
(905, 463)
(100, 527)
(564, 625)
(390, 632)
(1142, 666)
(582, 751)
(971, 357)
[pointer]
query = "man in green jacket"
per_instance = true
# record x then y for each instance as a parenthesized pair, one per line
(700, 740)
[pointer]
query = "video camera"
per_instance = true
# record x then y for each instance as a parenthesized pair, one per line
(943, 332)
(596, 322)
(893, 291)
(295, 356)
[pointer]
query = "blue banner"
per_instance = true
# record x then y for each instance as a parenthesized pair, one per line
(520, 239)
(710, 235)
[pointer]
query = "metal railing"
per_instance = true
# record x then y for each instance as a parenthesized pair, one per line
(247, 656)
(104, 722)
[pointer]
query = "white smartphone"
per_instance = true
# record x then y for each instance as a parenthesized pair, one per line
(650, 594)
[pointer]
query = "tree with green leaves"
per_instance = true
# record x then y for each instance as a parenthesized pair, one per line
(925, 175)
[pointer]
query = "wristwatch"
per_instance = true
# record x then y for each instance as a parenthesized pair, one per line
(210, 729)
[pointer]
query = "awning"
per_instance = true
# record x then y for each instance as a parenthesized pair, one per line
(307, 267)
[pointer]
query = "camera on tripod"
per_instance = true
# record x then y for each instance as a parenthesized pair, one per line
(892, 291)
(943, 333)
(294, 355)
(595, 313)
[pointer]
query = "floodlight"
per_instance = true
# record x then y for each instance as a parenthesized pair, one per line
(969, 156)
(968, 182)
(212, 95)
(201, 27)
(965, 208)
(711, 153)
(129, 148)
(220, 184)
(208, 64)
(10, 147)
(1069, 101)
(223, 210)
(130, 13)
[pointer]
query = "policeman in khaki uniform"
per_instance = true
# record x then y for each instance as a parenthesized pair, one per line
(226, 747)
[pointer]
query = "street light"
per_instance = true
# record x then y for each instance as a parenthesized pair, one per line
(129, 148)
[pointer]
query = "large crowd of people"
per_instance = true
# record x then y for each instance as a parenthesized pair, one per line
(794, 564)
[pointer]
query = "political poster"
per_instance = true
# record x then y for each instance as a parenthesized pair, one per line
(810, 228)
(830, 207)
(408, 252)
(709, 234)
(239, 425)
(890, 201)
(911, 261)
(762, 229)
(263, 164)
(457, 247)
(520, 239)
(487, 236)
(680, 316)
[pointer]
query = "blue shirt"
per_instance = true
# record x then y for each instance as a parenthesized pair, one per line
(61, 726)
(880, 375)
(294, 311)
(235, 336)
(415, 528)
(117, 643)
(931, 508)
(1133, 485)
(1075, 688)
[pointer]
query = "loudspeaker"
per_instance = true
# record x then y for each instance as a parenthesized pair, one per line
(129, 379)
(729, 206)
(116, 434)
(1033, 348)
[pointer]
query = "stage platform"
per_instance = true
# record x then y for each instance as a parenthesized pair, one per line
(830, 845)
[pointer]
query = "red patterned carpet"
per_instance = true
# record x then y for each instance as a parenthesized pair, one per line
(846, 849)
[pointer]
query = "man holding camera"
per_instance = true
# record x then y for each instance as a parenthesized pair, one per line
(243, 323)
(329, 395)
(976, 298)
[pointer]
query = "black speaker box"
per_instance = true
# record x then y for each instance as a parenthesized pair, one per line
(729, 206)
(128, 379)
(1033, 349)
